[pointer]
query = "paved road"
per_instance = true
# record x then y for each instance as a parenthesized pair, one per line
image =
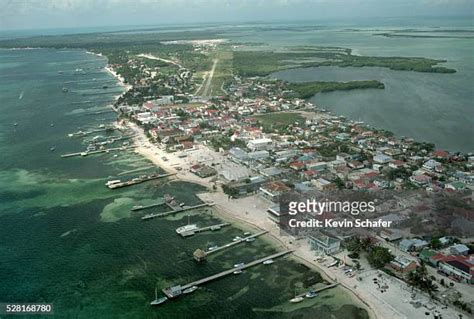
(153, 57)
(209, 79)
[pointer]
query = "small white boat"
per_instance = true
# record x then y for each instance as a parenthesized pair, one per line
(238, 272)
(268, 262)
(237, 238)
(186, 228)
(311, 294)
(212, 248)
(239, 265)
(158, 301)
(297, 299)
(249, 240)
(112, 182)
(190, 290)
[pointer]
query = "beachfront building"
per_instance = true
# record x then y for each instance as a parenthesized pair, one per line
(276, 215)
(273, 190)
(459, 267)
(403, 264)
(322, 243)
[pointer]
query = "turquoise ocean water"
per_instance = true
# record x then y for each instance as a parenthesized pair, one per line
(68, 240)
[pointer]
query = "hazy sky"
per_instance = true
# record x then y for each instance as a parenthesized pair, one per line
(32, 14)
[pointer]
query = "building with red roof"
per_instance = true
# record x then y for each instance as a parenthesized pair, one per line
(460, 268)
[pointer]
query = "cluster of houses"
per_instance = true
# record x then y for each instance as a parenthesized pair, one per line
(319, 152)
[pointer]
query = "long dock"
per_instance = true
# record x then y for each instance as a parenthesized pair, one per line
(176, 291)
(85, 133)
(141, 207)
(200, 255)
(203, 229)
(139, 180)
(107, 150)
(241, 240)
(319, 289)
(175, 211)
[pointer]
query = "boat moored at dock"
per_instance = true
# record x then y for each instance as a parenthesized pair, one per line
(158, 301)
(190, 290)
(297, 299)
(186, 228)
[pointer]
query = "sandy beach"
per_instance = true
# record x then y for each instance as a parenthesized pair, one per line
(250, 213)
(246, 213)
(119, 78)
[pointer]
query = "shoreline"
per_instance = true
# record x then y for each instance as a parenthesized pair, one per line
(359, 292)
(278, 243)
(120, 79)
(233, 211)
(151, 152)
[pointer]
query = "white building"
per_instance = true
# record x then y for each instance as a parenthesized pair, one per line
(261, 144)
(325, 244)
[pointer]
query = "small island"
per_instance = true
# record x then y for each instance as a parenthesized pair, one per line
(263, 63)
(308, 89)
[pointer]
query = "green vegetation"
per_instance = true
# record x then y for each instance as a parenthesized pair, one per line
(110, 40)
(278, 121)
(420, 279)
(224, 142)
(435, 243)
(230, 191)
(263, 63)
(378, 257)
(223, 71)
(308, 89)
(398, 173)
(462, 305)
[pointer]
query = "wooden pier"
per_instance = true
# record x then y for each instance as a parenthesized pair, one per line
(200, 255)
(85, 133)
(203, 229)
(138, 180)
(176, 291)
(140, 207)
(175, 211)
(319, 289)
(107, 150)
